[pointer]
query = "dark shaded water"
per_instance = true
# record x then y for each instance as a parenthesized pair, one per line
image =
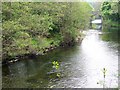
(80, 66)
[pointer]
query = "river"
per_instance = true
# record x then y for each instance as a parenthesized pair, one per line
(80, 66)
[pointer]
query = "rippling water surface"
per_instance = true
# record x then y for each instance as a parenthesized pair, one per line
(80, 66)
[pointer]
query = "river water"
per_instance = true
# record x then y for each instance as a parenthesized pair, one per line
(80, 66)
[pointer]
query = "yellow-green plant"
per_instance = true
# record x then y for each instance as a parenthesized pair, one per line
(104, 70)
(56, 65)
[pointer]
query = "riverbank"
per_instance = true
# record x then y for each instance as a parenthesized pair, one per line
(37, 28)
(45, 50)
(77, 66)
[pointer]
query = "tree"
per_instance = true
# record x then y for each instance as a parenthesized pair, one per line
(30, 27)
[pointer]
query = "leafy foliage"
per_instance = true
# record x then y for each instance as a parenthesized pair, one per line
(30, 27)
(56, 65)
(110, 14)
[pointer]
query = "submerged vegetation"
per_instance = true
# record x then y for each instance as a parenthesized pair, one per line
(37, 27)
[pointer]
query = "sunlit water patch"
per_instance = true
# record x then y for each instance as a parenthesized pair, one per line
(80, 67)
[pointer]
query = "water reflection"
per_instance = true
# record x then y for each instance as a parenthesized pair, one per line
(98, 56)
(81, 66)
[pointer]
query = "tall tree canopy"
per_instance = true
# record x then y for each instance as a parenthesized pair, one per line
(110, 14)
(110, 10)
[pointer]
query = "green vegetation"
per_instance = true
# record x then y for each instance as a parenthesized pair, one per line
(103, 81)
(111, 21)
(110, 14)
(36, 27)
(56, 65)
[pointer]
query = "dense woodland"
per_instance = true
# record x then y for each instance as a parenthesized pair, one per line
(33, 28)
(38, 27)
(110, 14)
